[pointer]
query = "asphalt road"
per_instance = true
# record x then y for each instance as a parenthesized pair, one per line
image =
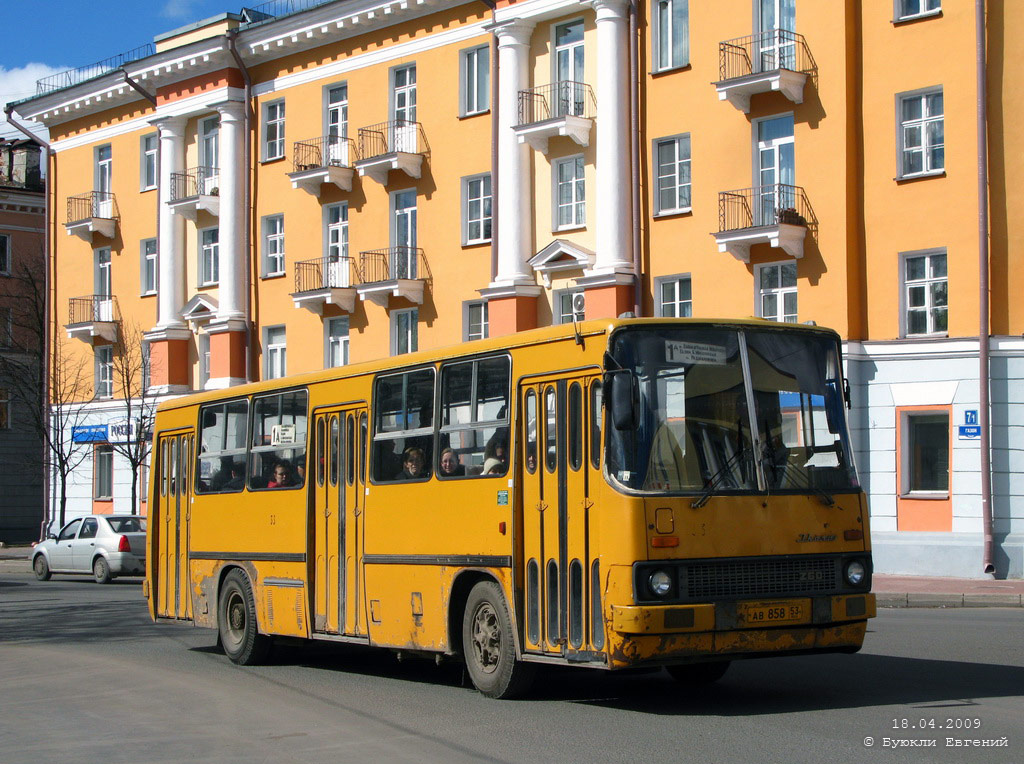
(86, 677)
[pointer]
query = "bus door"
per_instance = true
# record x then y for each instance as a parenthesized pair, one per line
(556, 541)
(338, 490)
(174, 452)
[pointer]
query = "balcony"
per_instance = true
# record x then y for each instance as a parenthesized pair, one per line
(195, 189)
(325, 281)
(775, 60)
(561, 108)
(92, 212)
(777, 215)
(327, 159)
(93, 316)
(392, 272)
(395, 145)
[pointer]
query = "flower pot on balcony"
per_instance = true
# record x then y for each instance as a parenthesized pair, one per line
(791, 217)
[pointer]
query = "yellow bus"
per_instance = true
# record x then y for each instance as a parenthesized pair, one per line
(612, 493)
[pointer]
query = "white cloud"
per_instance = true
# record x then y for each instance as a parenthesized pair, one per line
(179, 9)
(19, 83)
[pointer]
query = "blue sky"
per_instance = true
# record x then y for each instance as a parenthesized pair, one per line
(64, 34)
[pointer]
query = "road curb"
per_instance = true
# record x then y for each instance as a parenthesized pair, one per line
(920, 599)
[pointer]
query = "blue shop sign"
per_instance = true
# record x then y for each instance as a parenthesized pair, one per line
(90, 433)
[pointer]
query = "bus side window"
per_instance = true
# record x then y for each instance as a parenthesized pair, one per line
(403, 426)
(595, 425)
(474, 418)
(550, 430)
(277, 457)
(221, 451)
(530, 436)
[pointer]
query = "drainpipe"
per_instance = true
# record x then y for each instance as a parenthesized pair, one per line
(137, 87)
(247, 196)
(983, 289)
(45, 392)
(494, 139)
(634, 140)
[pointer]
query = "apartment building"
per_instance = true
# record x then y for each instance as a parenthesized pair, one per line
(306, 184)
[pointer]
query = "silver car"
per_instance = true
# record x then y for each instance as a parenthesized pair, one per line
(104, 545)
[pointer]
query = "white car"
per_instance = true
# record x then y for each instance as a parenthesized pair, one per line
(104, 545)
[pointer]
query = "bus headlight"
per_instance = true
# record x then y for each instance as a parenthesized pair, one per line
(855, 572)
(660, 583)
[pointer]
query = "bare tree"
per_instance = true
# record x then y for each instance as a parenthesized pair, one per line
(131, 378)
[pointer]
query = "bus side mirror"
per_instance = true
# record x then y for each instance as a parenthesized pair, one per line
(620, 385)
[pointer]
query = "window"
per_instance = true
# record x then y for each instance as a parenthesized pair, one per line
(104, 371)
(5, 408)
(568, 62)
(147, 366)
(570, 193)
(403, 331)
(673, 159)
(149, 168)
(89, 528)
(5, 255)
(273, 130)
(671, 34)
(403, 431)
(403, 93)
(403, 261)
(912, 9)
(336, 119)
(209, 256)
(103, 472)
(222, 437)
(925, 285)
(474, 418)
(277, 458)
(474, 80)
(338, 271)
(103, 178)
(776, 292)
(674, 297)
(273, 245)
(926, 452)
(204, 360)
(276, 354)
(476, 209)
(148, 277)
(922, 133)
(775, 174)
(337, 342)
(564, 310)
(474, 321)
(6, 327)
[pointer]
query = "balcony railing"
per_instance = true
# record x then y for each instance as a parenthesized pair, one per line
(765, 52)
(93, 309)
(326, 151)
(324, 273)
(91, 204)
(397, 135)
(557, 100)
(392, 263)
(195, 181)
(82, 73)
(764, 206)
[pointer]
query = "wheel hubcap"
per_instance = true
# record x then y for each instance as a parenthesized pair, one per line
(486, 637)
(235, 618)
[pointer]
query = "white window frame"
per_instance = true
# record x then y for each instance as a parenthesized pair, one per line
(273, 246)
(6, 265)
(900, 14)
(336, 343)
(577, 205)
(410, 89)
(558, 314)
(664, 58)
(682, 308)
(471, 101)
(211, 250)
(410, 332)
(485, 201)
(468, 308)
(106, 463)
(923, 123)
(203, 350)
(149, 159)
(679, 166)
(273, 115)
(926, 282)
(103, 274)
(780, 291)
(275, 352)
(105, 371)
(147, 365)
(148, 264)
(341, 105)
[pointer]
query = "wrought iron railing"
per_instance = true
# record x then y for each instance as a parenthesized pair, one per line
(764, 206)
(195, 181)
(91, 204)
(326, 151)
(559, 99)
(82, 73)
(93, 308)
(764, 52)
(276, 8)
(325, 273)
(390, 137)
(392, 263)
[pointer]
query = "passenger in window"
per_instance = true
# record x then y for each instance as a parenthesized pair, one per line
(413, 464)
(281, 477)
(531, 458)
(237, 480)
(450, 465)
(300, 473)
(496, 457)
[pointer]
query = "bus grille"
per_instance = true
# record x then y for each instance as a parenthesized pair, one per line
(760, 577)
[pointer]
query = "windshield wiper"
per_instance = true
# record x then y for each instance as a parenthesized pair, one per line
(769, 462)
(712, 482)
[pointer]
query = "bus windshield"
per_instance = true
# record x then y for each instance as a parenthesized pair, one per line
(730, 411)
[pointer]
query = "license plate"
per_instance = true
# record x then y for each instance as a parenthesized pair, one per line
(772, 613)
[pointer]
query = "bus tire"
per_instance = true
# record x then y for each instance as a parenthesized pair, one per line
(488, 645)
(699, 673)
(236, 622)
(101, 571)
(41, 568)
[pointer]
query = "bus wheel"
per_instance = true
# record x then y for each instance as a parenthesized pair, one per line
(699, 673)
(488, 646)
(236, 622)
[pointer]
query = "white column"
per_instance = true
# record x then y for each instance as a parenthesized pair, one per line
(233, 258)
(171, 245)
(514, 193)
(612, 150)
